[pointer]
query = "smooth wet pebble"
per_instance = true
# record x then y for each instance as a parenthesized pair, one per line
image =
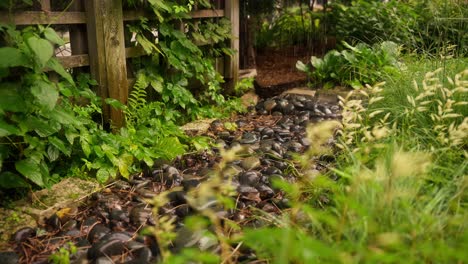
(250, 163)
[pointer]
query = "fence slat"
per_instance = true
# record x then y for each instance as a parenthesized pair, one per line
(97, 40)
(74, 61)
(205, 13)
(232, 62)
(40, 17)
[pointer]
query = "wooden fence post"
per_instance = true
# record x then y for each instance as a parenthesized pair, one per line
(107, 53)
(232, 63)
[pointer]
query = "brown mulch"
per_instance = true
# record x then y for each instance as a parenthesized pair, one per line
(276, 67)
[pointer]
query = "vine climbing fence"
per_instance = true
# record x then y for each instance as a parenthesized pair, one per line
(99, 41)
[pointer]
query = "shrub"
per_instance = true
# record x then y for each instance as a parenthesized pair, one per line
(424, 26)
(354, 66)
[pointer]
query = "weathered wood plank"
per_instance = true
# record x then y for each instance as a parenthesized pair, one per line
(78, 39)
(41, 17)
(45, 5)
(107, 52)
(134, 52)
(232, 63)
(205, 13)
(74, 61)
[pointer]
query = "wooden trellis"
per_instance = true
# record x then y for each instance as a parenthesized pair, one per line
(96, 30)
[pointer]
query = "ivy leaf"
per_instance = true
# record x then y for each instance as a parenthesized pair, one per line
(12, 57)
(30, 170)
(59, 144)
(45, 93)
(52, 36)
(41, 48)
(7, 129)
(55, 65)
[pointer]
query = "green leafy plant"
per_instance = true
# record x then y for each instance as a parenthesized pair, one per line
(427, 27)
(35, 126)
(293, 27)
(62, 256)
(399, 193)
(354, 66)
(243, 86)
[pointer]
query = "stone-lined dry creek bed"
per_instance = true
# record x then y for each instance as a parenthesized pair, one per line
(105, 227)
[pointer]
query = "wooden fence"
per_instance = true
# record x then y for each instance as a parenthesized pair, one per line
(97, 39)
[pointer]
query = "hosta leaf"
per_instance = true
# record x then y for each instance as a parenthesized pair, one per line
(41, 48)
(30, 170)
(316, 62)
(45, 93)
(9, 180)
(52, 36)
(11, 57)
(301, 66)
(59, 144)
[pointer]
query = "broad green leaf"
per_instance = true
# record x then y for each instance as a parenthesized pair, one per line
(301, 66)
(11, 57)
(11, 99)
(316, 62)
(86, 148)
(7, 129)
(115, 103)
(124, 162)
(55, 65)
(9, 180)
(102, 175)
(52, 36)
(157, 85)
(63, 117)
(53, 153)
(71, 134)
(46, 94)
(42, 127)
(41, 48)
(58, 143)
(30, 170)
